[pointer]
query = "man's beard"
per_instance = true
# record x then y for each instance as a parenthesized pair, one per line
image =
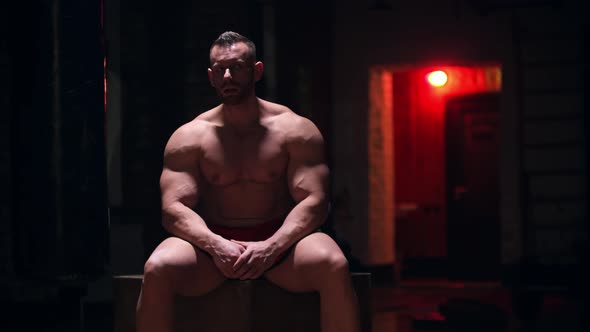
(244, 91)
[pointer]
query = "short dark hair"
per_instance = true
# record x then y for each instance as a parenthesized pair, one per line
(229, 38)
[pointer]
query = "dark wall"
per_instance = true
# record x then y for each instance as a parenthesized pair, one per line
(58, 214)
(304, 59)
(6, 89)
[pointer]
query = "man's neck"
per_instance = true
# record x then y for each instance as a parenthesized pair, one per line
(244, 116)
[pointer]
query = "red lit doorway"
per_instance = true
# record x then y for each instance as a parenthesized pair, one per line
(408, 161)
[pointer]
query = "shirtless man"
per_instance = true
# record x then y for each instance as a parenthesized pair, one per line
(244, 189)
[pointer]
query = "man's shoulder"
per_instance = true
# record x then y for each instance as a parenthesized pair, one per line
(199, 125)
(207, 118)
(190, 134)
(274, 110)
(188, 131)
(287, 119)
(298, 129)
(301, 136)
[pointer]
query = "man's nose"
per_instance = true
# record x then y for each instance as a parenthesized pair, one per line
(226, 73)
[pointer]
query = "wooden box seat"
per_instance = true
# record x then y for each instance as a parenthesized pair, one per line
(239, 306)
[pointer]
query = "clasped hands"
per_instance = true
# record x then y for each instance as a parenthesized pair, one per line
(243, 260)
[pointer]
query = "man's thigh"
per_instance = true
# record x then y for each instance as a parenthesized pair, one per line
(297, 271)
(191, 271)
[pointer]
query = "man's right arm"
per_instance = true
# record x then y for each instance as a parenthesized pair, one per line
(179, 188)
(180, 192)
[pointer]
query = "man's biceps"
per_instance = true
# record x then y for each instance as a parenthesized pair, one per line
(180, 159)
(169, 175)
(173, 177)
(314, 173)
(306, 176)
(305, 187)
(178, 187)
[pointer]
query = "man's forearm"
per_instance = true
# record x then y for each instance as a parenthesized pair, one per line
(304, 218)
(181, 221)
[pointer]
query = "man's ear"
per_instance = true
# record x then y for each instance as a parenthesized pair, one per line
(258, 70)
(210, 74)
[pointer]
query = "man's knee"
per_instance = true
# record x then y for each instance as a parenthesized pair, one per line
(162, 265)
(338, 262)
(155, 267)
(332, 262)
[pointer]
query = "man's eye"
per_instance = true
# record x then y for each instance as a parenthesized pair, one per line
(236, 67)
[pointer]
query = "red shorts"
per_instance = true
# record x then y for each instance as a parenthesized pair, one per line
(250, 234)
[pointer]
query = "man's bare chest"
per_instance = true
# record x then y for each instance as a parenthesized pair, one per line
(227, 159)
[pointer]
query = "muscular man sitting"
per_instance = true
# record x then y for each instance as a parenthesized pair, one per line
(244, 189)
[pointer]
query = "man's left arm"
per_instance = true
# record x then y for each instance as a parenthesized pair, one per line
(307, 177)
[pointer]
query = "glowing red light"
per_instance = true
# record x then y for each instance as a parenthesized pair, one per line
(437, 78)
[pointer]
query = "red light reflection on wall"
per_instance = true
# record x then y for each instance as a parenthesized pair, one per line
(464, 80)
